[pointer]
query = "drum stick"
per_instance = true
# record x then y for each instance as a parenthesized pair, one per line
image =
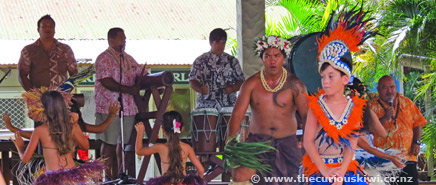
(143, 68)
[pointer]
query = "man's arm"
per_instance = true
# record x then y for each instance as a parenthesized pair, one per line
(240, 108)
(301, 102)
(418, 122)
(238, 75)
(203, 89)
(112, 85)
(234, 88)
(71, 62)
(417, 133)
(23, 78)
(196, 78)
(387, 117)
(24, 70)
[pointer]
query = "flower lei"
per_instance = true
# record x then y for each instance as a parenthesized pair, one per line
(279, 86)
(266, 42)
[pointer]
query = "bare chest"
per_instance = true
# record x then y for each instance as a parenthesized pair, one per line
(263, 99)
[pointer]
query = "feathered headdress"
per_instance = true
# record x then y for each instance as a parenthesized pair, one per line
(74, 80)
(34, 104)
(342, 36)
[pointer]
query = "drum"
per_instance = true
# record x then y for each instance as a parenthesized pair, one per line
(204, 129)
(224, 119)
(304, 61)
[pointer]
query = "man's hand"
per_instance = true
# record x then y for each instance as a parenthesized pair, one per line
(204, 89)
(229, 89)
(389, 113)
(414, 149)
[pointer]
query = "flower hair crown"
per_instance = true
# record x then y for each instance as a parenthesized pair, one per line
(176, 126)
(266, 42)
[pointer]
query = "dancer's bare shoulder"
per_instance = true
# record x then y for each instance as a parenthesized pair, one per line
(185, 146)
(251, 83)
(253, 80)
(296, 85)
(42, 130)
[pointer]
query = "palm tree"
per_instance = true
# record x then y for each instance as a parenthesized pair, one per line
(409, 27)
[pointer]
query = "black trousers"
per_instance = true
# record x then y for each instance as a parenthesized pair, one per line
(409, 175)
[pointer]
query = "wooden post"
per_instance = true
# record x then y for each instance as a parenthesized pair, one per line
(151, 83)
(250, 25)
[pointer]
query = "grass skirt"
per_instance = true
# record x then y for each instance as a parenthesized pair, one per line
(378, 167)
(87, 173)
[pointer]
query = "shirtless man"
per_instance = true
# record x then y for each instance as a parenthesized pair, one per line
(274, 97)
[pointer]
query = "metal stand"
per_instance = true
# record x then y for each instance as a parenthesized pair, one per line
(123, 177)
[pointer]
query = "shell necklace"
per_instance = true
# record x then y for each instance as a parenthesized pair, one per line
(279, 86)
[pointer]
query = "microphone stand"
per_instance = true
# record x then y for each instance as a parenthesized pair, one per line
(123, 175)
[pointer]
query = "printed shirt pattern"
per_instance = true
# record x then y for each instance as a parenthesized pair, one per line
(217, 72)
(400, 135)
(58, 53)
(107, 65)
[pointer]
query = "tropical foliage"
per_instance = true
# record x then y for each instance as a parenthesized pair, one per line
(407, 34)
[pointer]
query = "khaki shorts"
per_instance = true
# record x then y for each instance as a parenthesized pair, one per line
(112, 135)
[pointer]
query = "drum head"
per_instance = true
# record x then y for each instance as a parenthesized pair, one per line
(304, 61)
(204, 111)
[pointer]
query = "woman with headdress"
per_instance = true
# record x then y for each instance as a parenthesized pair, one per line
(58, 137)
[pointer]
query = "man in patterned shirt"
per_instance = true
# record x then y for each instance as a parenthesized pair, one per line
(216, 75)
(403, 122)
(45, 62)
(107, 87)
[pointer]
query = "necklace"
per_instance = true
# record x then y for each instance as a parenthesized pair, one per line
(279, 86)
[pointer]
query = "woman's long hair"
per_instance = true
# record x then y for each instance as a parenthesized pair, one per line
(175, 170)
(58, 118)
